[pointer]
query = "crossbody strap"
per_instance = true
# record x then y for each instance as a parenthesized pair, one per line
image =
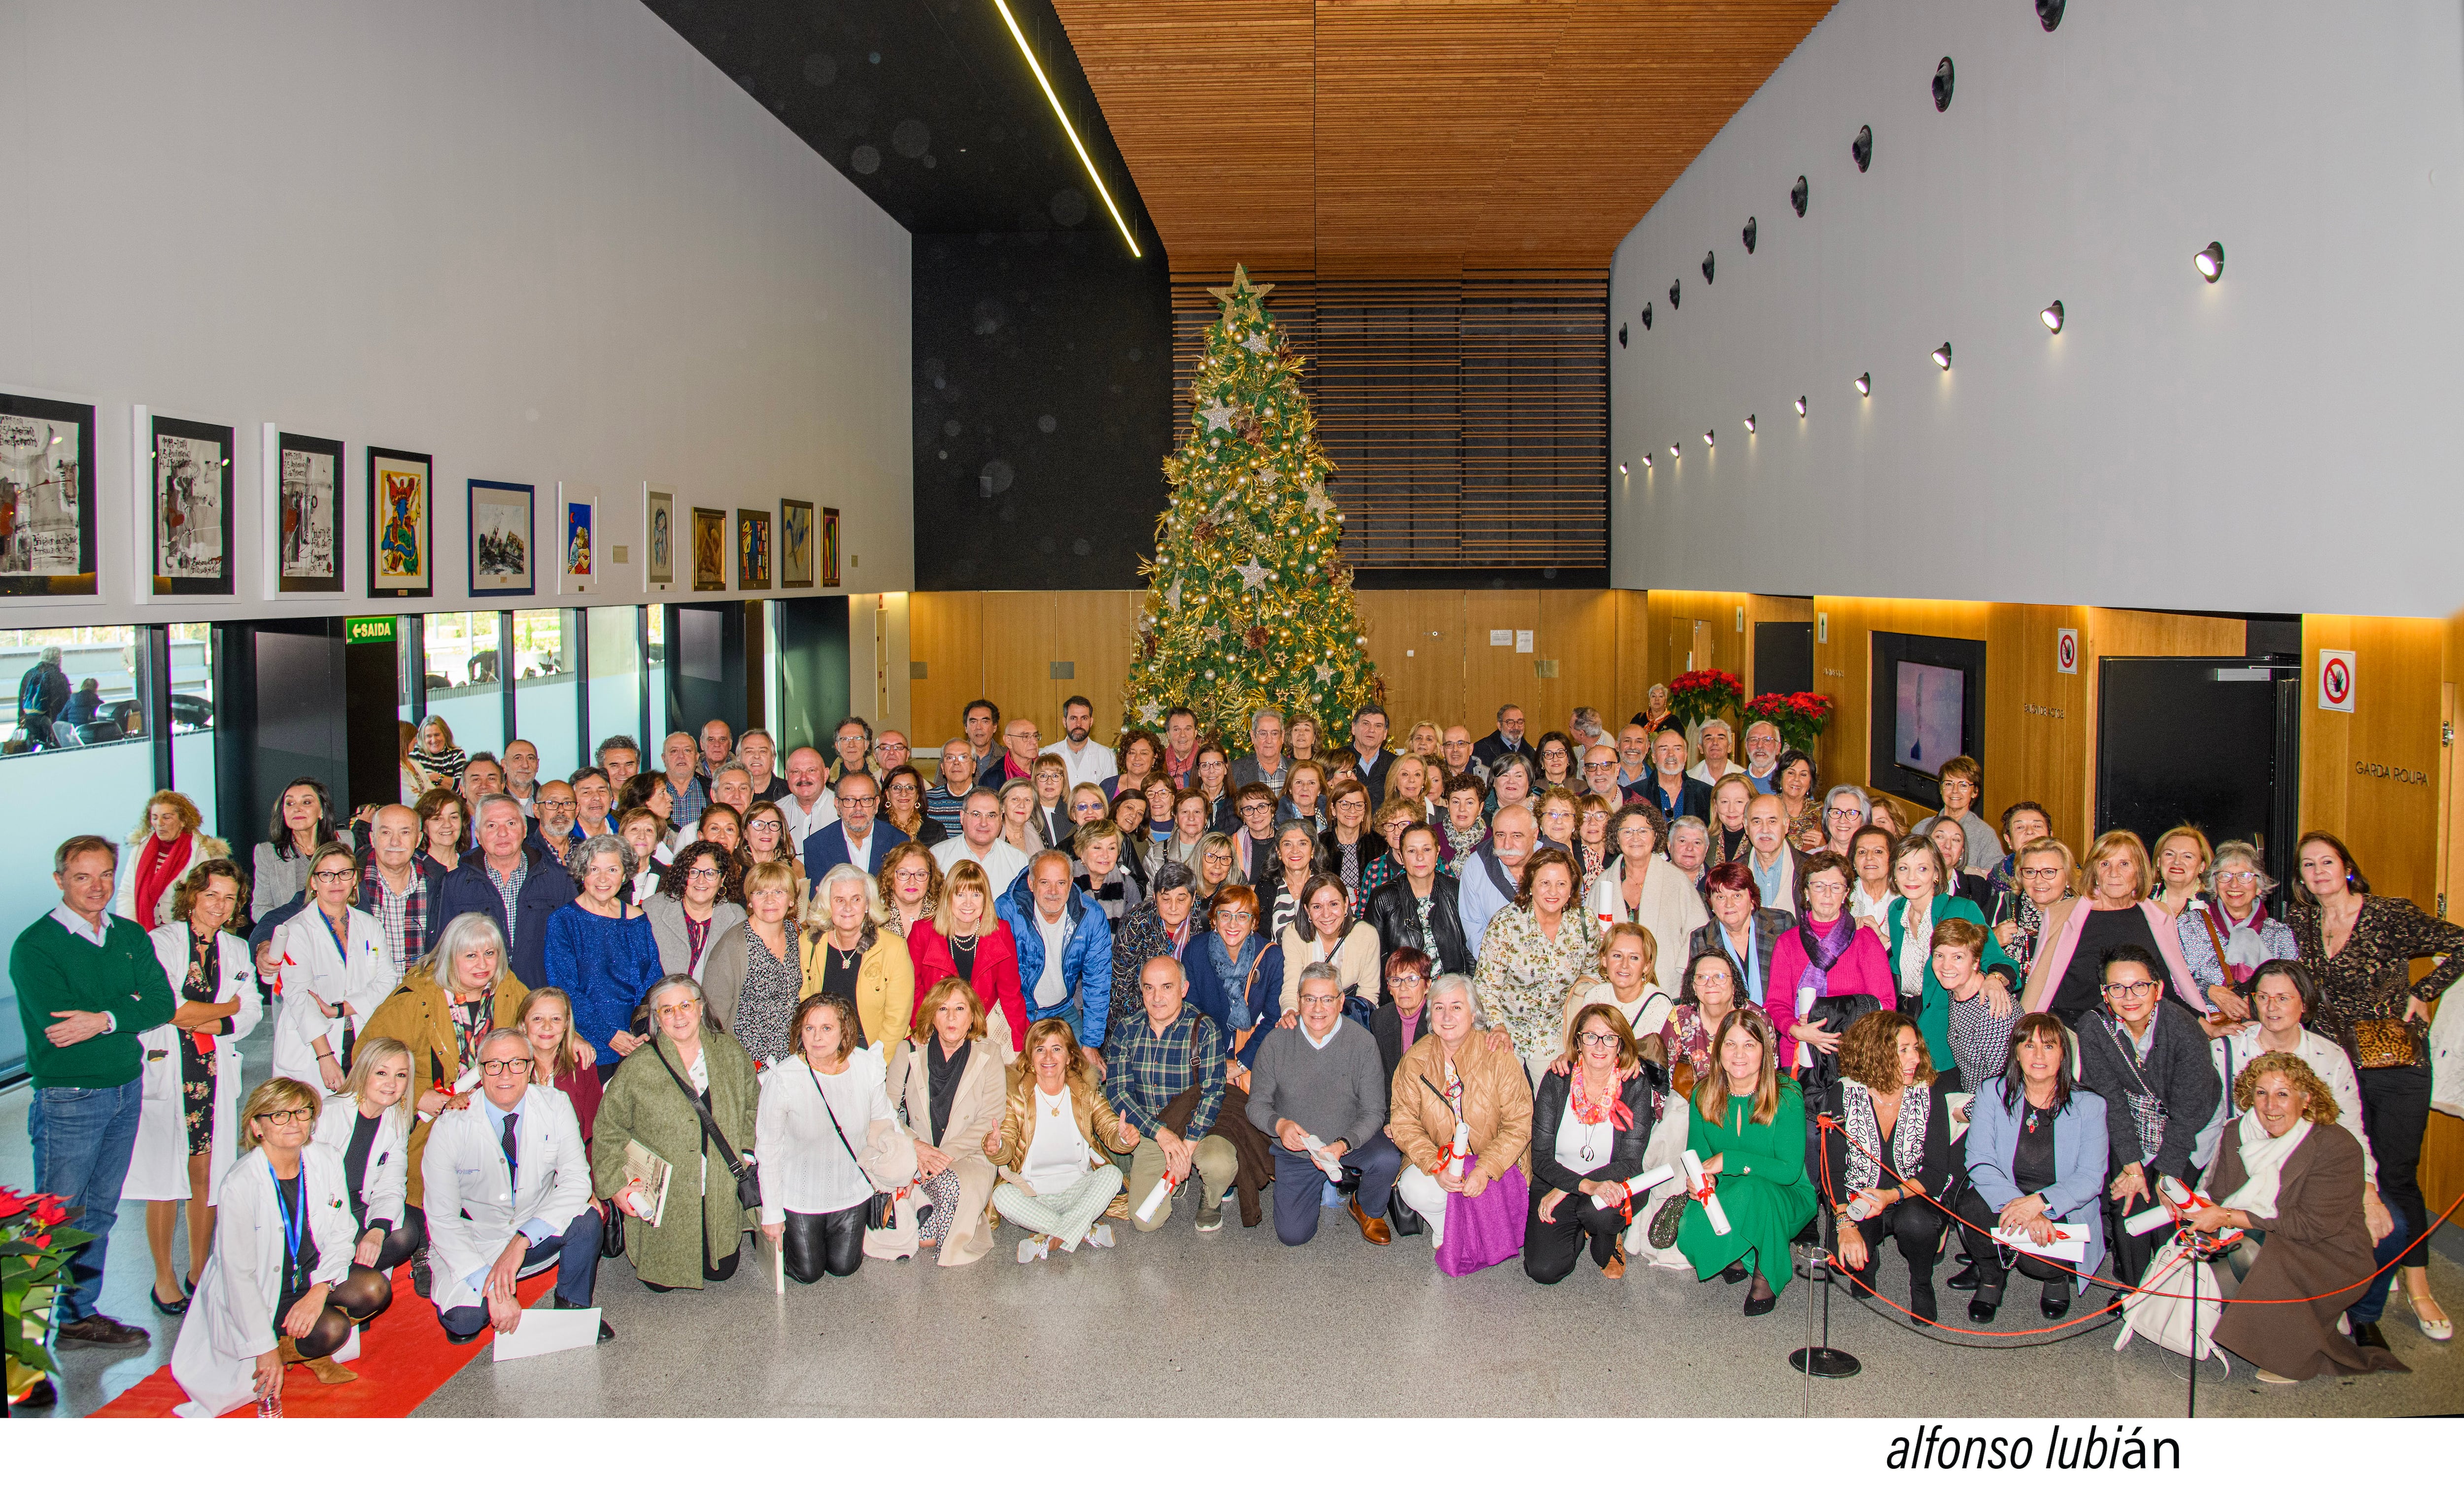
(833, 1114)
(708, 1122)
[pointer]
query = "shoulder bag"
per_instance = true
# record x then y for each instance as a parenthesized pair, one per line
(877, 1209)
(748, 1181)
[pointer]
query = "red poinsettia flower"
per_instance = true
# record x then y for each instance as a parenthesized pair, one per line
(12, 1202)
(50, 1210)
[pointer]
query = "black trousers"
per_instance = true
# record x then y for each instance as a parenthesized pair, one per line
(359, 1295)
(1916, 1225)
(2395, 1115)
(1551, 1245)
(402, 1240)
(1982, 1252)
(815, 1244)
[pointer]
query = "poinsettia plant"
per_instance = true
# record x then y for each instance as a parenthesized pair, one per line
(36, 1246)
(1800, 716)
(1701, 695)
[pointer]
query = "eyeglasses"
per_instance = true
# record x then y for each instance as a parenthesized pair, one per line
(678, 1007)
(911, 875)
(701, 875)
(1234, 916)
(2277, 998)
(2041, 874)
(300, 1116)
(1845, 814)
(492, 1066)
(2237, 877)
(1407, 979)
(1600, 1039)
(2130, 987)
(1256, 805)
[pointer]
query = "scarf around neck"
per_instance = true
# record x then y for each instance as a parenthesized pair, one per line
(1822, 953)
(1232, 973)
(158, 867)
(2262, 1164)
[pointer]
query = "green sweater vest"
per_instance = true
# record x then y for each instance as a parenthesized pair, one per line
(55, 970)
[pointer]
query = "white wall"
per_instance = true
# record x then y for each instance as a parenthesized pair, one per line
(541, 240)
(2279, 441)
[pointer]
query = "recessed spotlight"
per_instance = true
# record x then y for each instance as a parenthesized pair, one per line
(1801, 408)
(1943, 75)
(1750, 234)
(1941, 356)
(1706, 268)
(1864, 384)
(2052, 316)
(1797, 196)
(1862, 148)
(1750, 422)
(1706, 438)
(1646, 460)
(1620, 333)
(1620, 467)
(1675, 287)
(2210, 261)
(1646, 317)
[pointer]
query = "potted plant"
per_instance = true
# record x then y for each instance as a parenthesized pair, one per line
(34, 1253)
(1699, 695)
(1800, 716)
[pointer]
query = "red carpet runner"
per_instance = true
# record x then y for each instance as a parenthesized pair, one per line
(403, 1358)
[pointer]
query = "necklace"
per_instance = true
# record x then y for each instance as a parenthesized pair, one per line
(963, 941)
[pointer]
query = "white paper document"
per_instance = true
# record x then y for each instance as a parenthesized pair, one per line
(545, 1331)
(2069, 1245)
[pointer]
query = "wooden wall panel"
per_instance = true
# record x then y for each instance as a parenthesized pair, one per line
(945, 632)
(1097, 629)
(1578, 633)
(1634, 673)
(1020, 640)
(1415, 638)
(1494, 676)
(2371, 775)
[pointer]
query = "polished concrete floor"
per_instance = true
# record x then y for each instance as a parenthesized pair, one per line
(1231, 1322)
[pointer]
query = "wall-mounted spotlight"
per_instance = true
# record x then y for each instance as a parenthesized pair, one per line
(1797, 196)
(1750, 422)
(1863, 148)
(1750, 234)
(1620, 467)
(2049, 13)
(1706, 268)
(1706, 438)
(1676, 286)
(1646, 317)
(1646, 459)
(1941, 356)
(2052, 316)
(1864, 384)
(1620, 333)
(2210, 261)
(1800, 407)
(1943, 76)
(1674, 452)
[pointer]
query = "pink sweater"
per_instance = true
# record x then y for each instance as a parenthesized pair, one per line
(1865, 970)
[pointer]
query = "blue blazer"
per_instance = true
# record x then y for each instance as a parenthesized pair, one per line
(2077, 1193)
(826, 848)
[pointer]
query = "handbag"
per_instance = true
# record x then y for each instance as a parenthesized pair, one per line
(748, 1181)
(2382, 1042)
(879, 1212)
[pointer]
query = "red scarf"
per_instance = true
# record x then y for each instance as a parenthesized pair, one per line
(157, 867)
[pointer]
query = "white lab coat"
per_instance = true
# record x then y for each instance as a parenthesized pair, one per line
(387, 1177)
(158, 1167)
(471, 1215)
(353, 984)
(231, 1322)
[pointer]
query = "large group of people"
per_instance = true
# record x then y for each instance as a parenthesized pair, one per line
(1474, 991)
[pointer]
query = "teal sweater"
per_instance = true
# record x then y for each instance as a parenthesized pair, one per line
(55, 970)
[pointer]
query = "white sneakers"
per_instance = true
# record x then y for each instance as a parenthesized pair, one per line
(1030, 1250)
(1100, 1236)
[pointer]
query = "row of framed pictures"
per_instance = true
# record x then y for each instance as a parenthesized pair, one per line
(49, 546)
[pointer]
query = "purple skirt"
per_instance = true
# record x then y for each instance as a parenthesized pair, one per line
(1487, 1229)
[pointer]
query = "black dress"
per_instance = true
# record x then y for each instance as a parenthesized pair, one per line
(196, 1047)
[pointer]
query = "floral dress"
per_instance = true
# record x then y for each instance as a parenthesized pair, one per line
(772, 987)
(1524, 976)
(205, 977)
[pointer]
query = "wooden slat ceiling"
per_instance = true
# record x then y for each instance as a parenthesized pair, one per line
(1382, 136)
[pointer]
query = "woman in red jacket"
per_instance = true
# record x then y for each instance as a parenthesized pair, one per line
(966, 939)
(1826, 956)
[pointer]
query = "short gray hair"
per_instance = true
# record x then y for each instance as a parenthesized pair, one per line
(1690, 824)
(2239, 851)
(576, 862)
(1262, 715)
(462, 934)
(1864, 803)
(479, 806)
(726, 769)
(1721, 722)
(480, 1053)
(1318, 970)
(1457, 980)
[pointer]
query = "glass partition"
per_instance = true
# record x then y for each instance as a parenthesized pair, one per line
(655, 674)
(464, 664)
(547, 687)
(193, 716)
(615, 682)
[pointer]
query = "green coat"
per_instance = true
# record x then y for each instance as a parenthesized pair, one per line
(1933, 1017)
(642, 1103)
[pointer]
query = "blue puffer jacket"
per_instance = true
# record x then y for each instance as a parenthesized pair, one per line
(1085, 957)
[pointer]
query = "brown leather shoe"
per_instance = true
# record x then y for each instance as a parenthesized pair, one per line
(101, 1330)
(1373, 1229)
(1615, 1268)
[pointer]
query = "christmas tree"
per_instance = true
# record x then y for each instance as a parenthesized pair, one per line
(1248, 601)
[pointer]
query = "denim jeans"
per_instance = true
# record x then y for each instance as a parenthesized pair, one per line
(82, 1139)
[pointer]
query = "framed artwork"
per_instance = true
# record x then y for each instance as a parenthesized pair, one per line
(578, 559)
(751, 549)
(659, 535)
(709, 549)
(795, 544)
(500, 540)
(189, 537)
(829, 547)
(47, 527)
(307, 477)
(401, 553)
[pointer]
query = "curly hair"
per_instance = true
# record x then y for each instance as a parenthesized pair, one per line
(2304, 1079)
(1548, 856)
(1869, 1052)
(731, 872)
(184, 898)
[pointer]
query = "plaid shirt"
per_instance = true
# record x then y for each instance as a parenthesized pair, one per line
(404, 915)
(689, 803)
(509, 886)
(1143, 1070)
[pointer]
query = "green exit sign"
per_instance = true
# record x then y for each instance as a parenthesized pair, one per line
(374, 629)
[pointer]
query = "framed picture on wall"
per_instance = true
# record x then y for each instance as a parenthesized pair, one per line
(502, 565)
(795, 544)
(659, 535)
(305, 476)
(190, 530)
(401, 524)
(47, 529)
(577, 566)
(751, 549)
(709, 549)
(829, 547)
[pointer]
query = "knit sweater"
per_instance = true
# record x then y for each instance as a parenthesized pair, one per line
(2179, 1072)
(1335, 1092)
(55, 970)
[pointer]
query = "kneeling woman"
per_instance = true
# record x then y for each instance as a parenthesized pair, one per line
(2290, 1177)
(687, 1094)
(1748, 1131)
(1890, 1150)
(280, 1287)
(825, 1112)
(2035, 1158)
(1462, 1116)
(367, 1126)
(1055, 1181)
(1590, 1126)
(948, 1081)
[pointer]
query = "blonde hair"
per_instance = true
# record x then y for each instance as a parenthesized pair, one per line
(2128, 845)
(929, 1005)
(274, 1094)
(963, 874)
(365, 1057)
(568, 1051)
(1612, 933)
(783, 875)
(2304, 1079)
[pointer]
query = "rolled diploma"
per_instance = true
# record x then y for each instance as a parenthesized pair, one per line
(1638, 1185)
(1316, 1148)
(1463, 1143)
(1704, 1194)
(1157, 1199)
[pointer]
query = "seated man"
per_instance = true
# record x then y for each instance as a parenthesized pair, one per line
(1173, 1049)
(508, 1195)
(1324, 1077)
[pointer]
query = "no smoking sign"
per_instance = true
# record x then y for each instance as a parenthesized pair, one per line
(2066, 652)
(2336, 681)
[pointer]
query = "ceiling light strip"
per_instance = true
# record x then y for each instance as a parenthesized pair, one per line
(1058, 112)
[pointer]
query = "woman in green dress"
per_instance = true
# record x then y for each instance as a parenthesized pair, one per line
(1928, 897)
(1750, 1134)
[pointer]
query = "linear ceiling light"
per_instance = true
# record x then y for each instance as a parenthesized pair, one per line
(1060, 114)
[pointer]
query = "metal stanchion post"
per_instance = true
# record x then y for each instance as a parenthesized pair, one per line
(1824, 1361)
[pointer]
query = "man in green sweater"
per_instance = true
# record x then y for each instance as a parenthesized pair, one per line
(87, 984)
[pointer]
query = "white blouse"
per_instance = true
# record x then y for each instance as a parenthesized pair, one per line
(1059, 1156)
(805, 1166)
(1583, 1148)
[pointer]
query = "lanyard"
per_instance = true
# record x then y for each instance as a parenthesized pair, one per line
(294, 1220)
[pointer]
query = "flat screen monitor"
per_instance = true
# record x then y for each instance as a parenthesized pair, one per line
(1926, 708)
(1930, 722)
